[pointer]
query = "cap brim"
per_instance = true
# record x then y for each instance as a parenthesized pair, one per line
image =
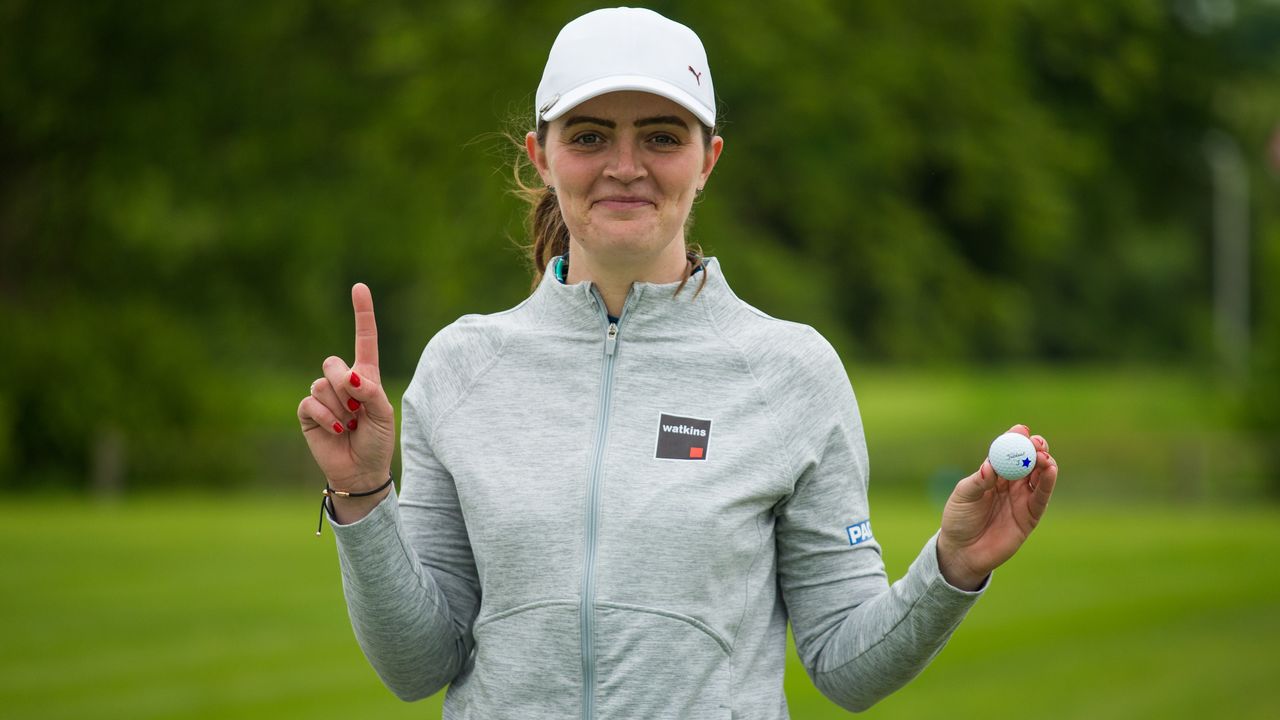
(596, 88)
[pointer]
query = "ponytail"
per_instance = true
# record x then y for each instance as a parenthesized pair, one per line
(550, 234)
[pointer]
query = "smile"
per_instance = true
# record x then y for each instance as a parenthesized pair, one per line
(623, 203)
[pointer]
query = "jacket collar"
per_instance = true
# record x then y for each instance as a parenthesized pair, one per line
(649, 307)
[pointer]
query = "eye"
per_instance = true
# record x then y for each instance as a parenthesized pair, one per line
(664, 139)
(587, 138)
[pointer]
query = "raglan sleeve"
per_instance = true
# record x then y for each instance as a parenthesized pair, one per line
(859, 637)
(408, 573)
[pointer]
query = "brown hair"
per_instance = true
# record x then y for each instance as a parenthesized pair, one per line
(546, 228)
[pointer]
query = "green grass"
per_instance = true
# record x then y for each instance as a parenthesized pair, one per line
(1117, 434)
(229, 607)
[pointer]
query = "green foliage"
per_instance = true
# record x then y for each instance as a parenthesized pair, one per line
(189, 189)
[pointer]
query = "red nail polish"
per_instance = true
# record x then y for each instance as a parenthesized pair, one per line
(355, 380)
(353, 404)
(337, 427)
(351, 425)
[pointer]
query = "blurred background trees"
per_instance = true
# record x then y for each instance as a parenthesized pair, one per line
(189, 189)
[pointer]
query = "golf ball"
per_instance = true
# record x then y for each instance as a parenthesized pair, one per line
(1013, 456)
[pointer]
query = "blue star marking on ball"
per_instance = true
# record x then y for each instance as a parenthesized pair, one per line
(1026, 462)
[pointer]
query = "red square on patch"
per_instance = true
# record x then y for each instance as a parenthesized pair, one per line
(695, 453)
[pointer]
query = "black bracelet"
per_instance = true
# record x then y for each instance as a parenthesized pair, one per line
(329, 492)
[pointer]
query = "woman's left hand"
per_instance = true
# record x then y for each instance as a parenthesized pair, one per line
(987, 518)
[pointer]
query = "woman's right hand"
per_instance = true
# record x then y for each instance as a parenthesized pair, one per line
(347, 420)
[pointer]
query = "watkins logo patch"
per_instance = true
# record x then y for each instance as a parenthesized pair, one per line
(682, 438)
(859, 532)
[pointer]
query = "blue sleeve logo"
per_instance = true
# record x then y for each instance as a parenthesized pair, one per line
(859, 532)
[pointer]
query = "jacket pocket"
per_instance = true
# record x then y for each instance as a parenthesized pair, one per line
(656, 664)
(527, 665)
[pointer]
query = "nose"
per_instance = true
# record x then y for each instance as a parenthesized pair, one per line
(625, 165)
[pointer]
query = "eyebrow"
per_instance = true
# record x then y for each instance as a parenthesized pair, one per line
(642, 122)
(662, 120)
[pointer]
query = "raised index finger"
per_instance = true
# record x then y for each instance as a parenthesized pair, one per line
(366, 326)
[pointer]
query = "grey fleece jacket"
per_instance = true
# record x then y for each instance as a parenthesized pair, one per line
(613, 521)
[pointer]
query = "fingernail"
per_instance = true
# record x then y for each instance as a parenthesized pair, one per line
(355, 380)
(353, 404)
(351, 424)
(337, 427)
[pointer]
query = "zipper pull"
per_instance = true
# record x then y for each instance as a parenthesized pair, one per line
(611, 339)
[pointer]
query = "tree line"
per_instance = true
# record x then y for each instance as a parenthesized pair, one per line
(190, 188)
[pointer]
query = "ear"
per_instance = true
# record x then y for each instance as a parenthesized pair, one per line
(537, 156)
(711, 158)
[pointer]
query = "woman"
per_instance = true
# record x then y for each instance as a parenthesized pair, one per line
(617, 493)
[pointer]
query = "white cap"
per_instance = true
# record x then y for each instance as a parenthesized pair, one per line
(625, 49)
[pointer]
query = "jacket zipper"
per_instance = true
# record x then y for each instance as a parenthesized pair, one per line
(586, 609)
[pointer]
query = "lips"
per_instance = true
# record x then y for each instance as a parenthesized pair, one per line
(623, 202)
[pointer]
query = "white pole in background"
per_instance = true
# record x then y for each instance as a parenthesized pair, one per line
(1230, 177)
